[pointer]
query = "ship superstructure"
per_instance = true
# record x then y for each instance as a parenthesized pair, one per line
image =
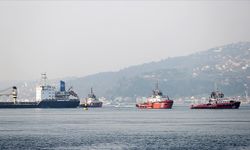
(44, 91)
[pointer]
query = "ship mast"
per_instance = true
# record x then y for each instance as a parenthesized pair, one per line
(157, 85)
(215, 87)
(246, 91)
(156, 91)
(43, 79)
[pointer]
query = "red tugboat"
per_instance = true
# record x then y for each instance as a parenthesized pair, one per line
(156, 101)
(217, 101)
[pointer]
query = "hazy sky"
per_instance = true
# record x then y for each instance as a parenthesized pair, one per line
(65, 38)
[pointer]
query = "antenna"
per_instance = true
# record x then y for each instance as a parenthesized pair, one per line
(215, 86)
(157, 85)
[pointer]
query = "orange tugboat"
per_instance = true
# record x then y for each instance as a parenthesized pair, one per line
(217, 101)
(156, 101)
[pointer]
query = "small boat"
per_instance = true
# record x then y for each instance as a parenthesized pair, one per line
(217, 101)
(156, 101)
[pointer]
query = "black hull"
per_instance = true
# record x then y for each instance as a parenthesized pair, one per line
(42, 104)
(59, 104)
(18, 105)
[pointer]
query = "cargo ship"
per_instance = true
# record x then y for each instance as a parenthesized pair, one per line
(46, 97)
(156, 101)
(91, 100)
(217, 101)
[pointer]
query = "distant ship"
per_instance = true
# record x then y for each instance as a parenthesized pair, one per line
(157, 101)
(46, 97)
(217, 101)
(91, 101)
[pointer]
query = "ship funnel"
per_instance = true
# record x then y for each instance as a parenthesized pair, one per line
(62, 86)
(14, 93)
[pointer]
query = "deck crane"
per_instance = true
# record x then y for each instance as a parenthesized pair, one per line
(7, 92)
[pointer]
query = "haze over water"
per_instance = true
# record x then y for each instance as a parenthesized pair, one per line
(125, 128)
(81, 37)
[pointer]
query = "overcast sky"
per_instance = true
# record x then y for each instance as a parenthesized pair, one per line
(79, 38)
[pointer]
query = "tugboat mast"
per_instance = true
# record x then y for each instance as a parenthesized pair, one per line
(157, 85)
(91, 90)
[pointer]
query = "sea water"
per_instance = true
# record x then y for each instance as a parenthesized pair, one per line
(125, 128)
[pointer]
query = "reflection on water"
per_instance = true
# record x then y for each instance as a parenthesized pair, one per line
(125, 128)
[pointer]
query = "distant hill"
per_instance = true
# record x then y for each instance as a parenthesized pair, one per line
(226, 66)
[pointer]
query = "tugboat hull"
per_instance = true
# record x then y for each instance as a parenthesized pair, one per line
(99, 104)
(167, 104)
(226, 105)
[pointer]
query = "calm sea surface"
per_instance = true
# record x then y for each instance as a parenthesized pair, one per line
(125, 128)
